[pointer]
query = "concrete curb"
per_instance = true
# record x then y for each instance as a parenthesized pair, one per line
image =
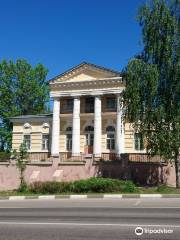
(90, 196)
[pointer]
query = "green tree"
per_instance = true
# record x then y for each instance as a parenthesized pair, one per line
(23, 90)
(21, 160)
(152, 95)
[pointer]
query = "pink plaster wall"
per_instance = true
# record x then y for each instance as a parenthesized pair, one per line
(9, 174)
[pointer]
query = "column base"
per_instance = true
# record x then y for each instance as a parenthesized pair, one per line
(55, 160)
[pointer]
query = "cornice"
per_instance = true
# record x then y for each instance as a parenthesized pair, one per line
(92, 82)
(88, 92)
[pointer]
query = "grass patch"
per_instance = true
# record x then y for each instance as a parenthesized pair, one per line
(88, 186)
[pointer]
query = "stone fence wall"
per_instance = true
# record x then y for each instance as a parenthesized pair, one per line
(141, 173)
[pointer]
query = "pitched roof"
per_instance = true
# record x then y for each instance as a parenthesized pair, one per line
(87, 64)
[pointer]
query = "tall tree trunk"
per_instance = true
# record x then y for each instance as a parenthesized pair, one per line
(177, 169)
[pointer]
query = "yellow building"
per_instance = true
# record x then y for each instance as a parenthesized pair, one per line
(86, 119)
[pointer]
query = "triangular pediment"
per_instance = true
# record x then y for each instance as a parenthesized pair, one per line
(85, 72)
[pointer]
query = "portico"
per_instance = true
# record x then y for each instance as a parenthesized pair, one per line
(93, 93)
(93, 135)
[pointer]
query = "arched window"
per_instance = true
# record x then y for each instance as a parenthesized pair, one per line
(69, 138)
(89, 129)
(69, 129)
(110, 129)
(110, 143)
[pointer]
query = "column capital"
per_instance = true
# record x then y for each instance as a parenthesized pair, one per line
(98, 96)
(118, 95)
(76, 97)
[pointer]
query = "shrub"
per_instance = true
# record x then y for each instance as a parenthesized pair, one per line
(49, 187)
(23, 188)
(4, 156)
(129, 187)
(92, 185)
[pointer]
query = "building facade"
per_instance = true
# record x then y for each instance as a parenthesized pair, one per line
(86, 119)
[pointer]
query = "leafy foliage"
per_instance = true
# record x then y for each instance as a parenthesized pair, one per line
(92, 185)
(23, 90)
(152, 95)
(21, 158)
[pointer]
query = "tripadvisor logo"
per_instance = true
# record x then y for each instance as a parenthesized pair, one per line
(139, 231)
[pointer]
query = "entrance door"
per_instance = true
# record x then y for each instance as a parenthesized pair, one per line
(89, 133)
(89, 142)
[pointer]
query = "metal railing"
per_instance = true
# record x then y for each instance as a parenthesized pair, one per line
(67, 156)
(39, 156)
(144, 158)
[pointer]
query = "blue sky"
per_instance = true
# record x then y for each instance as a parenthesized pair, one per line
(62, 33)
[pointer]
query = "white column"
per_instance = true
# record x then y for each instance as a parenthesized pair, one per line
(55, 128)
(97, 127)
(119, 128)
(76, 128)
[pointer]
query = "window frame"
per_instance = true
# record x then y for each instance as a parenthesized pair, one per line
(68, 141)
(68, 105)
(28, 146)
(107, 103)
(47, 147)
(110, 138)
(138, 142)
(89, 105)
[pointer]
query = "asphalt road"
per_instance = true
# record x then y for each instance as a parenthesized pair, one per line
(90, 219)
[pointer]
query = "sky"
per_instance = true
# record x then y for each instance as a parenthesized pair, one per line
(62, 33)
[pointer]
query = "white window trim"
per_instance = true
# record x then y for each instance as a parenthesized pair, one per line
(28, 150)
(134, 149)
(45, 150)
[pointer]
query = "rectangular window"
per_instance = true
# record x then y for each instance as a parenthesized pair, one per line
(111, 103)
(138, 142)
(45, 142)
(89, 105)
(27, 141)
(110, 141)
(68, 105)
